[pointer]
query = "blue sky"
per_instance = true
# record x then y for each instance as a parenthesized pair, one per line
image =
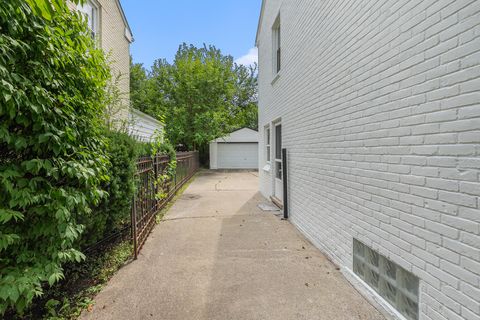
(159, 26)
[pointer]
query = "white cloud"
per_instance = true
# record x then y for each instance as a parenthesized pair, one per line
(250, 58)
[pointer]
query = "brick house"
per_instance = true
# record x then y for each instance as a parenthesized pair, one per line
(109, 26)
(377, 104)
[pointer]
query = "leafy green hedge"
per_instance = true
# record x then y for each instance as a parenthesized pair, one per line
(52, 158)
(113, 212)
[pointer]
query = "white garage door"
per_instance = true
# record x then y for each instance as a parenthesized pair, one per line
(237, 155)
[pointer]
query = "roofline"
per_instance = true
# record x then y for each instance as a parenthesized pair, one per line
(223, 138)
(260, 19)
(124, 17)
(140, 113)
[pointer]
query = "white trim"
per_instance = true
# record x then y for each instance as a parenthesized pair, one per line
(95, 16)
(129, 34)
(276, 77)
(276, 46)
(268, 144)
(260, 20)
(373, 297)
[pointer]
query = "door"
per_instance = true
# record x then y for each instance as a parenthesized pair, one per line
(278, 186)
(237, 155)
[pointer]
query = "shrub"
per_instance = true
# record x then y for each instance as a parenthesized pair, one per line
(113, 213)
(52, 159)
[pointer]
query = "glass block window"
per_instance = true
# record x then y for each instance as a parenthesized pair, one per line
(395, 284)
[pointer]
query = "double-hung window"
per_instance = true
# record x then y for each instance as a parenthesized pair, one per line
(90, 10)
(277, 63)
(267, 144)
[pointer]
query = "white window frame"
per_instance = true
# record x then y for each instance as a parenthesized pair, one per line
(277, 167)
(268, 144)
(93, 25)
(276, 47)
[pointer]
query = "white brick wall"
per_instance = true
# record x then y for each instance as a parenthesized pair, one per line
(380, 108)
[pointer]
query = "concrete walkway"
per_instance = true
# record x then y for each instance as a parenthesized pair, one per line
(217, 256)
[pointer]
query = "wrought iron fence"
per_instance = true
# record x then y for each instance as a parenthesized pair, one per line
(155, 189)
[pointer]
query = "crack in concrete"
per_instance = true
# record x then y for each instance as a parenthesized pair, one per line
(209, 217)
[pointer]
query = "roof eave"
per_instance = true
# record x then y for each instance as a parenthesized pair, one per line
(124, 17)
(260, 23)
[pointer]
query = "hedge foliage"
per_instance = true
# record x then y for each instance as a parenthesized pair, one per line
(113, 213)
(52, 153)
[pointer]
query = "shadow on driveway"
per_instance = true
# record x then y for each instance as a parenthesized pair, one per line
(218, 256)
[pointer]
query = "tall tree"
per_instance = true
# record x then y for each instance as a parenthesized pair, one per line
(246, 96)
(201, 96)
(138, 85)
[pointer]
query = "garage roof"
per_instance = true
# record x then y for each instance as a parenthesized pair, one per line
(241, 135)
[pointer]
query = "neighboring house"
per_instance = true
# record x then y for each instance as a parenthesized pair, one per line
(109, 26)
(378, 106)
(143, 127)
(238, 150)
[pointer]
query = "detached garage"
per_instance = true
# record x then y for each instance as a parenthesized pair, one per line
(238, 150)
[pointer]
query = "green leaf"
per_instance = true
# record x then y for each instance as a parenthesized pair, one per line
(6, 215)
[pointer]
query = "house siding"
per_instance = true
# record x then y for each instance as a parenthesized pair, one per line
(113, 40)
(117, 48)
(380, 109)
(143, 127)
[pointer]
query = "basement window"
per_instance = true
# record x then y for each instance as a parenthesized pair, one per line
(393, 283)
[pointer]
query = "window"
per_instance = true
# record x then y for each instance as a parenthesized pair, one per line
(267, 143)
(395, 284)
(90, 10)
(276, 46)
(278, 151)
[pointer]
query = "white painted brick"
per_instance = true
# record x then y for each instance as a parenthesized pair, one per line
(468, 315)
(470, 188)
(462, 299)
(470, 239)
(442, 161)
(469, 137)
(457, 150)
(443, 253)
(458, 198)
(442, 184)
(469, 214)
(461, 223)
(382, 129)
(442, 229)
(443, 276)
(463, 249)
(444, 138)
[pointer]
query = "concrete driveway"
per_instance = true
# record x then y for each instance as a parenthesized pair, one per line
(218, 256)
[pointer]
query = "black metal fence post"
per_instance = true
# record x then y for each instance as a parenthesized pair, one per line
(134, 227)
(285, 183)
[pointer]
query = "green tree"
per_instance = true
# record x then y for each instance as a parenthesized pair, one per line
(245, 100)
(52, 159)
(196, 94)
(138, 86)
(202, 95)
